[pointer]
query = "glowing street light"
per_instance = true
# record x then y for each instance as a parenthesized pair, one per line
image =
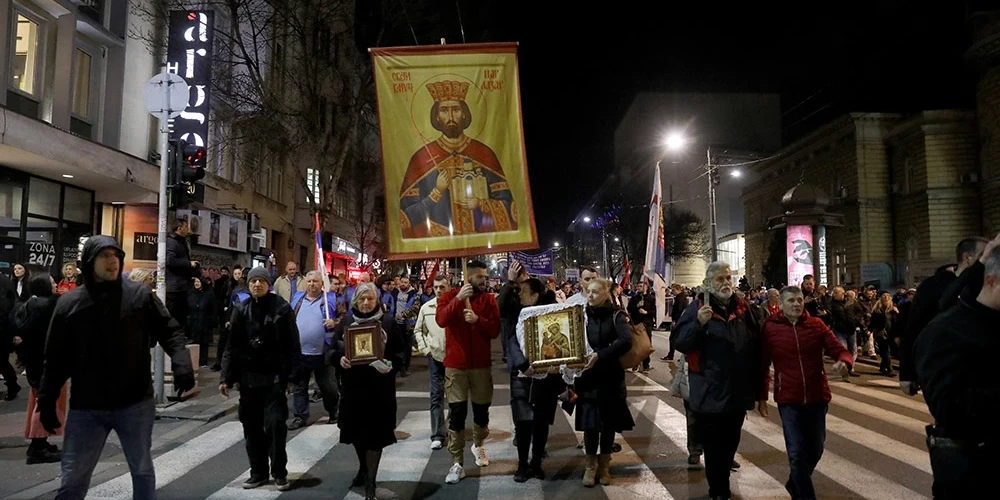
(736, 173)
(586, 219)
(675, 141)
(557, 244)
(616, 239)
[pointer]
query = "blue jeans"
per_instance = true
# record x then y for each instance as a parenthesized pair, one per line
(805, 433)
(439, 429)
(326, 379)
(86, 433)
(850, 341)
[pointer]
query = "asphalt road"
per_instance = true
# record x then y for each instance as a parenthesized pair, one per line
(874, 449)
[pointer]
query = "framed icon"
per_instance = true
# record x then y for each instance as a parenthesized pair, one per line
(556, 338)
(364, 343)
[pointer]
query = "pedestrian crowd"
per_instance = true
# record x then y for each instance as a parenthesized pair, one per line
(84, 345)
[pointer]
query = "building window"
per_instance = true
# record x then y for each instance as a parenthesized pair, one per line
(43, 198)
(908, 172)
(27, 56)
(82, 62)
(312, 179)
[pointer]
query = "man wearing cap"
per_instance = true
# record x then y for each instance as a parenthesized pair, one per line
(262, 357)
(99, 337)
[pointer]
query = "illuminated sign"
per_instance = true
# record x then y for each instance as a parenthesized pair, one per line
(799, 245)
(821, 253)
(189, 54)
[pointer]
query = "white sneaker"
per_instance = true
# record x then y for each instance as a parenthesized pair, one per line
(436, 444)
(455, 474)
(481, 459)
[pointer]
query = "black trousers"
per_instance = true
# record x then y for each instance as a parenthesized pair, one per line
(263, 411)
(649, 331)
(223, 339)
(719, 434)
(882, 346)
(177, 306)
(8, 372)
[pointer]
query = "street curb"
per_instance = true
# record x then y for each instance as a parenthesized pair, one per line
(214, 413)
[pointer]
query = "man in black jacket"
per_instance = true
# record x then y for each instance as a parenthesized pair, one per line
(99, 337)
(926, 305)
(953, 358)
(262, 356)
(642, 310)
(8, 297)
(180, 270)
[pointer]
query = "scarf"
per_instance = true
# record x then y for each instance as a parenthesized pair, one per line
(375, 316)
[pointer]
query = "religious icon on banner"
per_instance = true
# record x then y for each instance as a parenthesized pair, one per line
(453, 152)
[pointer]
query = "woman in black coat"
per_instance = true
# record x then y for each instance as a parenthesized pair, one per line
(21, 279)
(368, 396)
(532, 400)
(601, 409)
(201, 320)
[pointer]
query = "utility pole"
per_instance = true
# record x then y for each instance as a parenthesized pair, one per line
(711, 205)
(604, 253)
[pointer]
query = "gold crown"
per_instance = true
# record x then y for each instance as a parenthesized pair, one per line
(448, 90)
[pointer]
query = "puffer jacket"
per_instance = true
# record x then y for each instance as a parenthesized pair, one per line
(797, 353)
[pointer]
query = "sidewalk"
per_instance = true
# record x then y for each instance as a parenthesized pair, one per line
(205, 405)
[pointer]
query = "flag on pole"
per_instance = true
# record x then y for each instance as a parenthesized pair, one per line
(627, 273)
(655, 265)
(433, 274)
(321, 267)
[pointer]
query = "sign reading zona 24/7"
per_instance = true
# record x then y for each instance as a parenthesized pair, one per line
(456, 177)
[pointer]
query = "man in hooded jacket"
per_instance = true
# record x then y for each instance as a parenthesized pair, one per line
(99, 337)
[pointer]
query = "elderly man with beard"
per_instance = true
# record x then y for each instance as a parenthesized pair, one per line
(722, 345)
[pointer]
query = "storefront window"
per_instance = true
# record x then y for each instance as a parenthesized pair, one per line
(43, 198)
(77, 206)
(26, 55)
(11, 197)
(72, 238)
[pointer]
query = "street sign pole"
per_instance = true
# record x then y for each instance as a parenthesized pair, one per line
(166, 95)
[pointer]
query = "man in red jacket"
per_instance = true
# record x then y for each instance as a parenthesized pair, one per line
(796, 342)
(471, 320)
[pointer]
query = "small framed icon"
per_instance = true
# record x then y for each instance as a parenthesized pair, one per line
(364, 343)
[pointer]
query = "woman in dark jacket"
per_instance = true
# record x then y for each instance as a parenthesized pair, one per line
(31, 325)
(202, 318)
(21, 279)
(532, 400)
(368, 397)
(601, 409)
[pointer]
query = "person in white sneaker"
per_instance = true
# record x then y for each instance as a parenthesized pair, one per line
(471, 319)
(430, 340)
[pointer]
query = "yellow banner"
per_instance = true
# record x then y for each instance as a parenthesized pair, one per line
(456, 178)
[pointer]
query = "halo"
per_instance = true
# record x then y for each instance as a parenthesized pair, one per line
(478, 107)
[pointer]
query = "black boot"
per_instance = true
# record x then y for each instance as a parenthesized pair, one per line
(523, 473)
(39, 453)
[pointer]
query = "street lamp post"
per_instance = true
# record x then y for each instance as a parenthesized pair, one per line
(604, 251)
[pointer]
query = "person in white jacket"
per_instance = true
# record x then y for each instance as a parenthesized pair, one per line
(430, 341)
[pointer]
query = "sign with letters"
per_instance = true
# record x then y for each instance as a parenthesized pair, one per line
(144, 246)
(41, 254)
(534, 264)
(189, 54)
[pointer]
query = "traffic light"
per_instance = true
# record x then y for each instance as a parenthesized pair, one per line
(185, 167)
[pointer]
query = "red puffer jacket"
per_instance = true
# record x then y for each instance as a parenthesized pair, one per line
(467, 346)
(797, 352)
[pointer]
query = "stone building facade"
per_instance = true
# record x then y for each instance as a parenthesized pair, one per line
(907, 188)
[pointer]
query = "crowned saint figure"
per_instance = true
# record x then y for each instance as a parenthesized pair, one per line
(454, 185)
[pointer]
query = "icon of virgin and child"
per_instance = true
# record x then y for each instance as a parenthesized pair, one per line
(454, 185)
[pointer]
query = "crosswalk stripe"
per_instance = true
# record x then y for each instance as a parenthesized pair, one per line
(917, 404)
(175, 463)
(497, 479)
(876, 442)
(405, 461)
(673, 424)
(312, 444)
(860, 480)
(645, 484)
(908, 423)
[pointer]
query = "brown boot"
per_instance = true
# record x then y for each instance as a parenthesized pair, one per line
(604, 469)
(590, 473)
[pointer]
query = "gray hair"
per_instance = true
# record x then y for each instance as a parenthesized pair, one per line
(772, 291)
(992, 263)
(790, 290)
(715, 268)
(315, 273)
(142, 275)
(362, 289)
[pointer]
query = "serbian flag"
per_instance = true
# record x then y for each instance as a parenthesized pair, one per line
(320, 265)
(433, 274)
(656, 265)
(627, 273)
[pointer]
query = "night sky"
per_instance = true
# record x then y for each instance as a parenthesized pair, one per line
(581, 66)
